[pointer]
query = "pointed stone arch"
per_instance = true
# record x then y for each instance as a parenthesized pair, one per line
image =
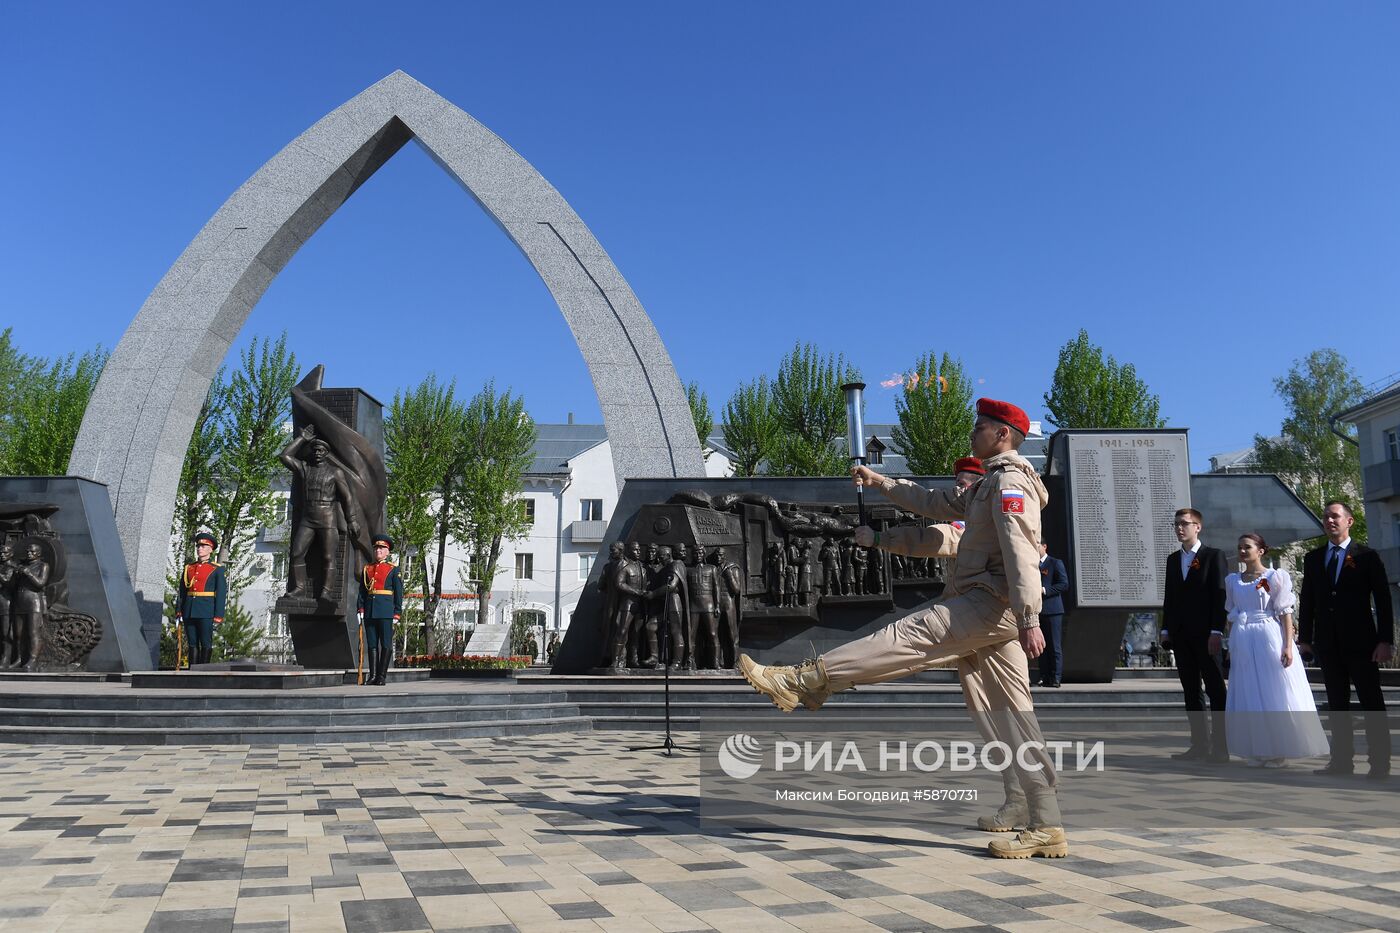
(138, 424)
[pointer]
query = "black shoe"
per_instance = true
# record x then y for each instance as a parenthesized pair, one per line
(1053, 683)
(1378, 774)
(1335, 768)
(1191, 754)
(1219, 757)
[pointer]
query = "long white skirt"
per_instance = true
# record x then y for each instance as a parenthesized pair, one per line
(1269, 709)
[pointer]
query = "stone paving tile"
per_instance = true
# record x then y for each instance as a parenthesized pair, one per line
(539, 834)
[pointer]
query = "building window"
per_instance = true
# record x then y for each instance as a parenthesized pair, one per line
(590, 510)
(477, 567)
(279, 566)
(276, 625)
(525, 566)
(527, 510)
(464, 619)
(1392, 444)
(585, 566)
(283, 504)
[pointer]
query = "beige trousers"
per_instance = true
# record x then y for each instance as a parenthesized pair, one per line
(978, 629)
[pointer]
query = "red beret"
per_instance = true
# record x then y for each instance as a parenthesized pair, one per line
(969, 465)
(1004, 412)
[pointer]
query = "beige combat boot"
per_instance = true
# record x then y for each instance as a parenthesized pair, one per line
(788, 685)
(1045, 834)
(1048, 842)
(1014, 814)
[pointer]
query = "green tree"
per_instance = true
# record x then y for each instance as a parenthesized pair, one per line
(192, 505)
(935, 415)
(1307, 452)
(811, 413)
(498, 447)
(238, 636)
(750, 426)
(700, 413)
(247, 435)
(1090, 390)
(16, 374)
(522, 633)
(44, 408)
(423, 437)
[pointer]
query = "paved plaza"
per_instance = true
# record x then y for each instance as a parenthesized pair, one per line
(583, 832)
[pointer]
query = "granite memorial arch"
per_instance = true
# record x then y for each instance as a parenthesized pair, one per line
(138, 424)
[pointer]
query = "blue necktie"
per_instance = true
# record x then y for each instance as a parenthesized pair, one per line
(1332, 562)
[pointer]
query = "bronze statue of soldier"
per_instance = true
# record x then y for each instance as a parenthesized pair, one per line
(703, 581)
(860, 559)
(323, 490)
(674, 602)
(777, 573)
(731, 601)
(848, 570)
(10, 653)
(804, 572)
(629, 584)
(29, 605)
(831, 568)
(790, 572)
(605, 589)
(654, 606)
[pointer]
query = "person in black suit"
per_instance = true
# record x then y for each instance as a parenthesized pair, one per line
(1341, 580)
(1193, 619)
(1054, 583)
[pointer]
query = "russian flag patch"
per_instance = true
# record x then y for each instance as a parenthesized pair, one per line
(1013, 500)
(959, 525)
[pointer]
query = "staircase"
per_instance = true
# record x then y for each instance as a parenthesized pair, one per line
(123, 716)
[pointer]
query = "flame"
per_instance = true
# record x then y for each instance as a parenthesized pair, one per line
(896, 379)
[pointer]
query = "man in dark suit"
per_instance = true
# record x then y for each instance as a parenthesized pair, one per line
(1341, 581)
(1054, 583)
(1193, 619)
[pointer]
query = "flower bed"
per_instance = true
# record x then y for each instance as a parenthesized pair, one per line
(464, 662)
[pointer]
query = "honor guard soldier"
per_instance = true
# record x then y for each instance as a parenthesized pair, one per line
(199, 603)
(379, 607)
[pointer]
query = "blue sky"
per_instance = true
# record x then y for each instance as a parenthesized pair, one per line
(1210, 189)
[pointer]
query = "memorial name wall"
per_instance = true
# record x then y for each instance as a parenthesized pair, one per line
(1124, 489)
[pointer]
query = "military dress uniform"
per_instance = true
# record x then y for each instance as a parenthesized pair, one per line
(993, 593)
(379, 605)
(199, 603)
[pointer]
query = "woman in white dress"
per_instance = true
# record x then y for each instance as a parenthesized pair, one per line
(1270, 714)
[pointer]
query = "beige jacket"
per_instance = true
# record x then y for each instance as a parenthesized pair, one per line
(999, 550)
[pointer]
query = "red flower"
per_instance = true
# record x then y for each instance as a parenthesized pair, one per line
(1350, 561)
(1045, 571)
(1195, 563)
(1262, 584)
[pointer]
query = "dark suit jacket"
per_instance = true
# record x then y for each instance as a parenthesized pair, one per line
(1056, 583)
(1337, 616)
(1195, 606)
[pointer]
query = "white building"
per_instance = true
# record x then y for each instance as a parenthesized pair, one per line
(1377, 421)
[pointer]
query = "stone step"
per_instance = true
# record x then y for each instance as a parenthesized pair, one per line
(345, 698)
(164, 735)
(206, 719)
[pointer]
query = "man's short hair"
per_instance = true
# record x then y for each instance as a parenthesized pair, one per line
(1191, 514)
(1345, 508)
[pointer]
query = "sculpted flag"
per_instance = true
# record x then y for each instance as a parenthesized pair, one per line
(1013, 500)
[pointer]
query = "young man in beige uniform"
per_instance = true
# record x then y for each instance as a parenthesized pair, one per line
(988, 617)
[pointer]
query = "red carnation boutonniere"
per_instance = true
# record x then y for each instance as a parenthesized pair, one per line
(1045, 571)
(1350, 561)
(1195, 563)
(1263, 584)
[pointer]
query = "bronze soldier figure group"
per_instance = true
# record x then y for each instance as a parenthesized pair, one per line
(671, 609)
(23, 606)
